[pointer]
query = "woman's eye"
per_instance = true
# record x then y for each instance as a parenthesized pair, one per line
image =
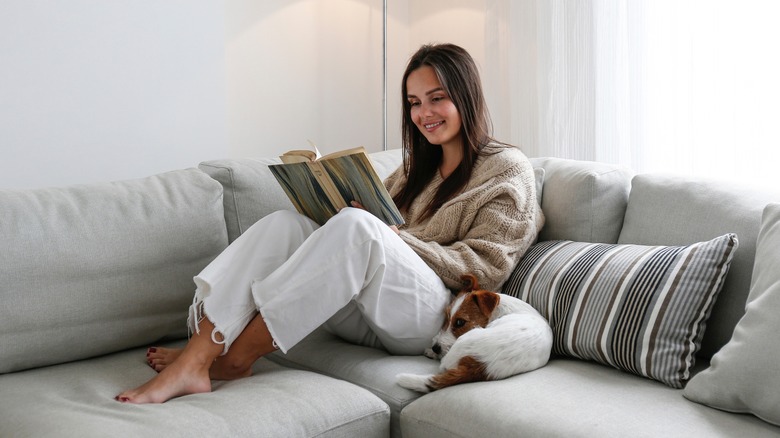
(459, 323)
(413, 103)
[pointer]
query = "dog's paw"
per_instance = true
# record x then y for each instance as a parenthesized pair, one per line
(415, 382)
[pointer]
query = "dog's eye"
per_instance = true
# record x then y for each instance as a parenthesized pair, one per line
(459, 323)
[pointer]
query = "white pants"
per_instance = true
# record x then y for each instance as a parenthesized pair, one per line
(353, 273)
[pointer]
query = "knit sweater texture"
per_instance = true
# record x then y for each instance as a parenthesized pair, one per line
(485, 229)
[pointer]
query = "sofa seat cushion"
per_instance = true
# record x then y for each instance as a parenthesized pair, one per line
(97, 268)
(570, 398)
(77, 400)
(370, 368)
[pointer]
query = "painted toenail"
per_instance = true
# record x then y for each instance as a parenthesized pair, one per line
(152, 350)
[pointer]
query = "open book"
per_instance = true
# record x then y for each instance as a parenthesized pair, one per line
(321, 186)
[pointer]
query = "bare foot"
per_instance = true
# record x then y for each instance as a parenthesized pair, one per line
(160, 358)
(186, 376)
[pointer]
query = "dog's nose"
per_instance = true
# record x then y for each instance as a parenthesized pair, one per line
(436, 348)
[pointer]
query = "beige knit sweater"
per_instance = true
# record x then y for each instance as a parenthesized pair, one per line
(485, 229)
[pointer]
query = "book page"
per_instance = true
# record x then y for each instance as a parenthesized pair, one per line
(301, 155)
(297, 156)
(345, 152)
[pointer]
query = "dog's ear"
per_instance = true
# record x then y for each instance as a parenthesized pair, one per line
(486, 301)
(469, 282)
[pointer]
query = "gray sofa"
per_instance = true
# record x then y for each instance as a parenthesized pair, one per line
(94, 274)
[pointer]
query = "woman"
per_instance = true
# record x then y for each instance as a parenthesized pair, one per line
(470, 207)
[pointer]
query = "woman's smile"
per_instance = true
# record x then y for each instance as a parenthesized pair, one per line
(432, 126)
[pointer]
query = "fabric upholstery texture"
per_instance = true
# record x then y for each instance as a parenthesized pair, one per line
(673, 210)
(743, 376)
(570, 398)
(77, 400)
(370, 368)
(92, 269)
(539, 177)
(638, 308)
(583, 201)
(251, 191)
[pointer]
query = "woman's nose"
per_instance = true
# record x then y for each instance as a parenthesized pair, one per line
(425, 109)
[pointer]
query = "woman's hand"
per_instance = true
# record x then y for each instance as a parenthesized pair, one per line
(356, 204)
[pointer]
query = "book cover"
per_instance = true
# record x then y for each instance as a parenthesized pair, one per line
(321, 186)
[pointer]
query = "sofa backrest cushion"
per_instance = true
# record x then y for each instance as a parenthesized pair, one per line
(674, 210)
(92, 269)
(252, 192)
(583, 201)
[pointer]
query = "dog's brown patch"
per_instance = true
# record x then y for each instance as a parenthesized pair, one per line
(468, 370)
(474, 311)
(469, 282)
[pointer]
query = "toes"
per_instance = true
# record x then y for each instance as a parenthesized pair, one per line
(153, 352)
(157, 364)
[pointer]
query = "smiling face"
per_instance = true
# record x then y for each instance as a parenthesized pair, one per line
(432, 109)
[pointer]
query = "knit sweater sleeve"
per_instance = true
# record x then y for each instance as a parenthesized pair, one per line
(486, 229)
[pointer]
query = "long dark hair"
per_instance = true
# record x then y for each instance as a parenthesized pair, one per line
(459, 77)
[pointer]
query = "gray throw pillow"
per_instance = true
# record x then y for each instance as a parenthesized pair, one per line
(744, 375)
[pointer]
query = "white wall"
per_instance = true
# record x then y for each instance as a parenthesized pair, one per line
(96, 90)
(460, 22)
(304, 70)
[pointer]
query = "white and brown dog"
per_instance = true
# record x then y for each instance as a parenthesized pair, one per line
(485, 336)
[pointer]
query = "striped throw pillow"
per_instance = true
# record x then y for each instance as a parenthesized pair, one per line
(641, 309)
